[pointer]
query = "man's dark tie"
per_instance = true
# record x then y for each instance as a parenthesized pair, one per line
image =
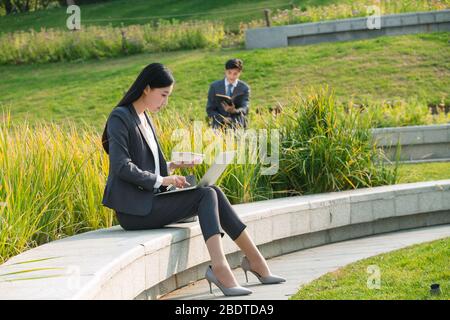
(229, 87)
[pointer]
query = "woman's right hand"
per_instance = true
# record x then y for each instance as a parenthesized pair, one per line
(177, 181)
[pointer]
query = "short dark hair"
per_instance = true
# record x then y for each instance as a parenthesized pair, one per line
(234, 64)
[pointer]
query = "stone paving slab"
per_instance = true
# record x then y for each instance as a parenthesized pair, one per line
(303, 266)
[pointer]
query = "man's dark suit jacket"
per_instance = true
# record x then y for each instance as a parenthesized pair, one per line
(129, 188)
(215, 110)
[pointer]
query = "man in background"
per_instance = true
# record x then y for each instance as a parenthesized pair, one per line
(232, 115)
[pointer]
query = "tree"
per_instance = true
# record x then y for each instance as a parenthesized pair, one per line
(7, 5)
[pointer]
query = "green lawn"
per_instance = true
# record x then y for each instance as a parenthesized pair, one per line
(131, 12)
(409, 173)
(405, 274)
(403, 67)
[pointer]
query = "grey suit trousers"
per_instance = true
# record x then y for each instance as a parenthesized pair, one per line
(209, 203)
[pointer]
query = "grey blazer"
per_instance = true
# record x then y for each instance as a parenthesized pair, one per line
(129, 188)
(215, 110)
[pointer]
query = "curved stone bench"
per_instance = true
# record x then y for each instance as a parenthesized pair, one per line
(417, 143)
(116, 264)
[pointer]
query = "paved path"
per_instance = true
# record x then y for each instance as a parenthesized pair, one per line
(306, 265)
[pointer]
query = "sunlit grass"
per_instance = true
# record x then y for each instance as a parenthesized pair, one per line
(98, 41)
(409, 173)
(405, 274)
(412, 68)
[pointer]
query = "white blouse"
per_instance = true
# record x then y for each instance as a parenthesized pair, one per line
(153, 147)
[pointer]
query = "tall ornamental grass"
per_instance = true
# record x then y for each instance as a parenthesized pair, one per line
(322, 151)
(96, 42)
(51, 181)
(52, 177)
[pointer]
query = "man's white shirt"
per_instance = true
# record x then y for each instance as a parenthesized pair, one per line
(234, 84)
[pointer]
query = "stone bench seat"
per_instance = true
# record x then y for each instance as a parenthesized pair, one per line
(113, 263)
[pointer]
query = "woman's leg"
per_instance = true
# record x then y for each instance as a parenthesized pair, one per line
(229, 220)
(257, 261)
(219, 263)
(170, 208)
(235, 228)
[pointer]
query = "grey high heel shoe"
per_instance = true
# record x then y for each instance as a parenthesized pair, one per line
(233, 291)
(271, 279)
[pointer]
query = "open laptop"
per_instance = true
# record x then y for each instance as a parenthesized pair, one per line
(213, 173)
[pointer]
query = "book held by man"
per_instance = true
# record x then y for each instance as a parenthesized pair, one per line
(227, 99)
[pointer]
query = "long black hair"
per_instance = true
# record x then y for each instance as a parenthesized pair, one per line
(155, 75)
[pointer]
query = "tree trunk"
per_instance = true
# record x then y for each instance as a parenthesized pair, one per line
(8, 6)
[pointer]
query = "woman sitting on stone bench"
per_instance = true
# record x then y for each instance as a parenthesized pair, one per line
(138, 170)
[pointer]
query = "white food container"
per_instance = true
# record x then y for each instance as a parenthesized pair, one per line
(196, 158)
